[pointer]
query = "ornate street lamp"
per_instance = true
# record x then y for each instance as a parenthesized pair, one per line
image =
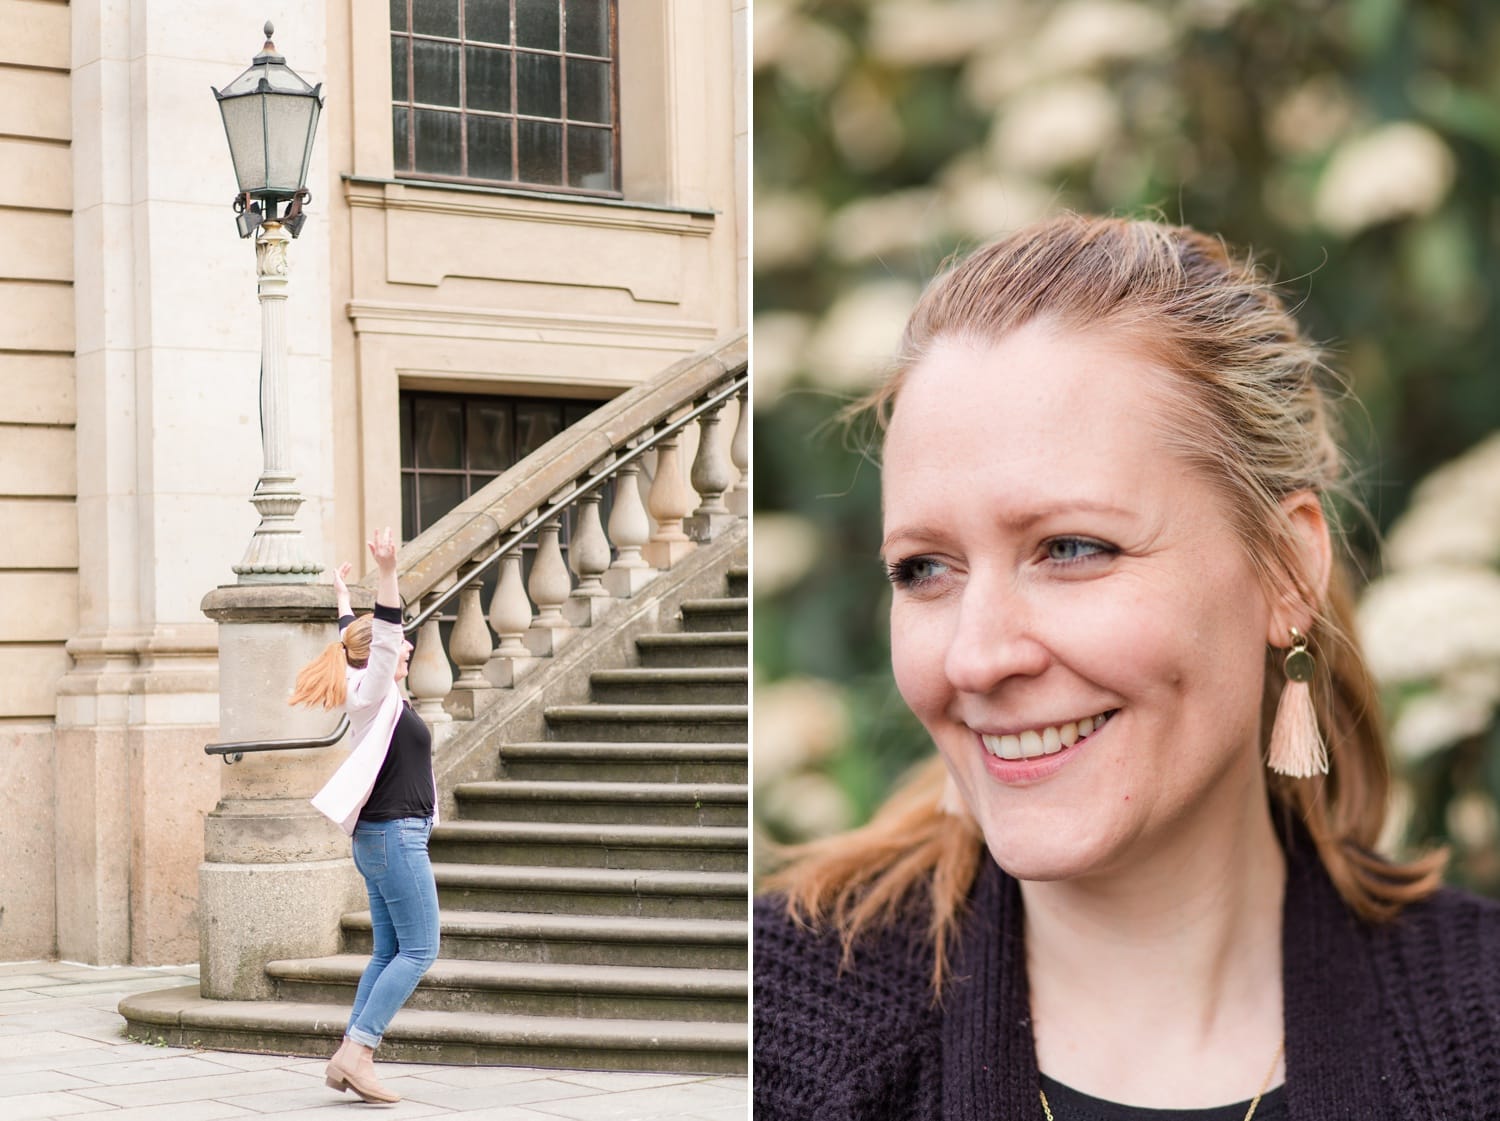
(270, 117)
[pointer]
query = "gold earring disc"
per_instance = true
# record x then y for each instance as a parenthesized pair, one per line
(1299, 664)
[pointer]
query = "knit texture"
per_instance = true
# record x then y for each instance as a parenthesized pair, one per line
(1400, 1021)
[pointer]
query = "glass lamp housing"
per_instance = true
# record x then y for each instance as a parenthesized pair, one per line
(270, 117)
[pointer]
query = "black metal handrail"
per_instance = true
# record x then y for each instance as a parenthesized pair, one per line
(234, 752)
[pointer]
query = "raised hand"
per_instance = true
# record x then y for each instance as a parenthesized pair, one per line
(383, 549)
(340, 580)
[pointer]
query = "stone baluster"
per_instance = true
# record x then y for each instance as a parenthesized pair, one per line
(629, 531)
(430, 678)
(669, 502)
(470, 646)
(510, 617)
(588, 557)
(739, 455)
(550, 586)
(712, 476)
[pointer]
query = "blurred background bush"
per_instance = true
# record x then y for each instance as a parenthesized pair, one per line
(1353, 145)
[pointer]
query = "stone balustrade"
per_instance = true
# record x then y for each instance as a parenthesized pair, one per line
(630, 449)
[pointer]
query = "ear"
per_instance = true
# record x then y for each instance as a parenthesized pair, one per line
(1313, 556)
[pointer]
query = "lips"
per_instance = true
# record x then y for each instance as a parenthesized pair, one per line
(1050, 740)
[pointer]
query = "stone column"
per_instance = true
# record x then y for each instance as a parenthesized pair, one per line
(277, 874)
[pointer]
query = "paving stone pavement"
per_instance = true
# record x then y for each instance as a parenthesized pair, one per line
(63, 1053)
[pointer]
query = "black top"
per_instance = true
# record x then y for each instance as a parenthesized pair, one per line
(1069, 1105)
(1395, 1022)
(403, 788)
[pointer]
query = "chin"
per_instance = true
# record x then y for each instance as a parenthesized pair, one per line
(1035, 851)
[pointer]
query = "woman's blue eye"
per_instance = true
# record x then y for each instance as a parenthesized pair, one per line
(1070, 550)
(913, 571)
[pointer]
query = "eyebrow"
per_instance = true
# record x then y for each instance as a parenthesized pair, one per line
(1019, 520)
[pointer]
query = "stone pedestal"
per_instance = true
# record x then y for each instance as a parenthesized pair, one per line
(277, 874)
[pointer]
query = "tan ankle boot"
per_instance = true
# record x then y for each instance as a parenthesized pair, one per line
(331, 1077)
(356, 1070)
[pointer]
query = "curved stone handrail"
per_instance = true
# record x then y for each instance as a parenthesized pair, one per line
(435, 555)
(566, 478)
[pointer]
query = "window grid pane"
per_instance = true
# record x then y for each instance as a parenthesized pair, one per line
(500, 91)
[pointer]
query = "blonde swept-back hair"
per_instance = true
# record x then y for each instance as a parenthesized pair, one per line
(1256, 420)
(321, 681)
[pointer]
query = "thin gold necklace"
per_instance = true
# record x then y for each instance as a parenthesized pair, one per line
(1255, 1101)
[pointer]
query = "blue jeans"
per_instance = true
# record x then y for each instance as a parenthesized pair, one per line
(392, 857)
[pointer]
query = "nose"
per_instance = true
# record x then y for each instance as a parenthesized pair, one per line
(995, 636)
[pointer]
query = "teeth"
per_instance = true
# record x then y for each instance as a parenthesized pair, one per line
(1035, 742)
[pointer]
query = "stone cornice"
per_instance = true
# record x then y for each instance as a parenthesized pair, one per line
(410, 319)
(484, 202)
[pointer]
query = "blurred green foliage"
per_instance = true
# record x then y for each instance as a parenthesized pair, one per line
(1353, 146)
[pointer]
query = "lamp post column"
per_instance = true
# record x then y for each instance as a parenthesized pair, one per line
(275, 553)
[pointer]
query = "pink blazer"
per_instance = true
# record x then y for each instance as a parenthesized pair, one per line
(374, 706)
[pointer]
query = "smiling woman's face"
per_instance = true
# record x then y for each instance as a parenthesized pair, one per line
(1074, 620)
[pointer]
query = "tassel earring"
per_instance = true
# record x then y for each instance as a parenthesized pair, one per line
(1297, 747)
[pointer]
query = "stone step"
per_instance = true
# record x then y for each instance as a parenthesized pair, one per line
(619, 803)
(698, 848)
(722, 613)
(671, 686)
(649, 893)
(624, 761)
(578, 939)
(619, 992)
(659, 723)
(712, 648)
(182, 1018)
(738, 579)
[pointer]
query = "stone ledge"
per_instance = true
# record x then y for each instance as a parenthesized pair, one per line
(182, 1017)
(280, 603)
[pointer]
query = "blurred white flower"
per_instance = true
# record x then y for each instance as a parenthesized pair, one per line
(1081, 34)
(1397, 171)
(1311, 117)
(1418, 625)
(803, 50)
(857, 339)
(982, 204)
(786, 548)
(1443, 717)
(1473, 820)
(878, 225)
(1054, 126)
(787, 228)
(798, 721)
(1454, 517)
(930, 34)
(1210, 13)
(779, 347)
(806, 805)
(1073, 38)
(865, 125)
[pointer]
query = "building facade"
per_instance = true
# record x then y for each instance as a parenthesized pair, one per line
(519, 209)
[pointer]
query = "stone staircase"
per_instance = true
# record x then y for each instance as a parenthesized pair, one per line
(593, 893)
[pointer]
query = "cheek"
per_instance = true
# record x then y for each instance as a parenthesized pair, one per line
(918, 648)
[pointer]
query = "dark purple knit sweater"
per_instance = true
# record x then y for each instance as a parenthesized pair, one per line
(1393, 1022)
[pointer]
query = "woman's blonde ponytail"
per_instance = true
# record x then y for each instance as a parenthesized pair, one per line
(321, 681)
